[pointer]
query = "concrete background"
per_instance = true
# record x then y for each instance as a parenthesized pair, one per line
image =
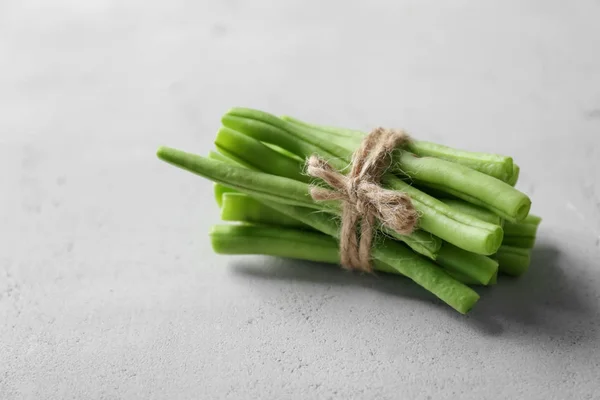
(108, 285)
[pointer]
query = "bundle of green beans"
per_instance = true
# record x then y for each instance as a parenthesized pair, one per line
(473, 223)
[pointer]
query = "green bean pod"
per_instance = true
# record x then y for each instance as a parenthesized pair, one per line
(467, 184)
(239, 207)
(274, 241)
(498, 166)
(512, 260)
(258, 184)
(474, 211)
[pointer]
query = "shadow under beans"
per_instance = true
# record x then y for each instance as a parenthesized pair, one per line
(294, 271)
(546, 303)
(552, 300)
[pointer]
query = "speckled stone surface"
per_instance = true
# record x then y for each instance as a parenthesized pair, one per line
(108, 285)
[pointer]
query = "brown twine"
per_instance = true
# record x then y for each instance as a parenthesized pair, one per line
(364, 201)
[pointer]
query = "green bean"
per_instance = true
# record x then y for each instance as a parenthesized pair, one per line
(527, 230)
(437, 218)
(267, 133)
(390, 255)
(225, 156)
(213, 155)
(498, 166)
(255, 183)
(512, 260)
(519, 241)
(494, 280)
(274, 241)
(512, 181)
(263, 158)
(219, 191)
(475, 266)
(453, 226)
(521, 234)
(239, 207)
(283, 152)
(473, 210)
(462, 278)
(532, 219)
(470, 281)
(333, 130)
(467, 184)
(420, 241)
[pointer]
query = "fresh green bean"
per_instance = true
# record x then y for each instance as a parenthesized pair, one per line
(225, 156)
(257, 184)
(283, 152)
(467, 184)
(437, 218)
(494, 280)
(453, 226)
(519, 241)
(498, 166)
(473, 210)
(420, 241)
(521, 234)
(470, 281)
(219, 191)
(462, 278)
(267, 133)
(514, 178)
(527, 230)
(475, 266)
(214, 155)
(274, 241)
(532, 219)
(257, 155)
(239, 207)
(512, 260)
(333, 130)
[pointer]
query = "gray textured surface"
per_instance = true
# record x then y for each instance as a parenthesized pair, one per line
(108, 286)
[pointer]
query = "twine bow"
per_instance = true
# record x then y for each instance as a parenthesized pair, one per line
(364, 200)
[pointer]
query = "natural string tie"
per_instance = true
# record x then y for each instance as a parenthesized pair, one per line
(364, 201)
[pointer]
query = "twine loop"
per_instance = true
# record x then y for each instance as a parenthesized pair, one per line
(364, 201)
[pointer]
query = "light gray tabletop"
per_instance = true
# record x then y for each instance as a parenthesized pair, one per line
(108, 285)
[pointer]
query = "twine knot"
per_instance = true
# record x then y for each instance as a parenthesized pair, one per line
(364, 201)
